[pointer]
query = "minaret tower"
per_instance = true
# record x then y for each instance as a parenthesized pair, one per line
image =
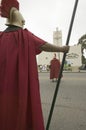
(57, 39)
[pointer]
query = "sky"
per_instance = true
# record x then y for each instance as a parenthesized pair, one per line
(44, 16)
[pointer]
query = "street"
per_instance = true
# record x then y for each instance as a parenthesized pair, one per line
(70, 107)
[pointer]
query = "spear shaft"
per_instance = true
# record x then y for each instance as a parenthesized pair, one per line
(61, 70)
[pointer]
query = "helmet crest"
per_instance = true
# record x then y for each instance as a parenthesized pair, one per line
(6, 6)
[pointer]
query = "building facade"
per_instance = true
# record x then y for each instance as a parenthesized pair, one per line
(73, 58)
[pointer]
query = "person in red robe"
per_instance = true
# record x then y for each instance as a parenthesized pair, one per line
(54, 68)
(20, 103)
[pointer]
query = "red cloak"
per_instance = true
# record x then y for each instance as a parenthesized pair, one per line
(54, 68)
(20, 104)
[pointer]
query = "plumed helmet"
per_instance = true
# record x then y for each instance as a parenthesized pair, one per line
(6, 6)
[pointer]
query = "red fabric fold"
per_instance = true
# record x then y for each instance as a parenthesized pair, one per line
(20, 104)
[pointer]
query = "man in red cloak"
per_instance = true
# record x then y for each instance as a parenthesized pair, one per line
(54, 68)
(20, 104)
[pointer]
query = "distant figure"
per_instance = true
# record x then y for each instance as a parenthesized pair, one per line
(54, 68)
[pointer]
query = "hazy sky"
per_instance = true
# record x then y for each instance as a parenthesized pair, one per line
(43, 16)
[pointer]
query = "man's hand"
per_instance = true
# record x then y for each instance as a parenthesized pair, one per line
(65, 49)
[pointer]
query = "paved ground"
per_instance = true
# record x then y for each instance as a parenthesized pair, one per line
(70, 107)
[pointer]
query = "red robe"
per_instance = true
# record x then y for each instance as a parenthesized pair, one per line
(20, 104)
(54, 68)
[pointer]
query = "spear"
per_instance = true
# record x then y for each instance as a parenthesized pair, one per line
(61, 70)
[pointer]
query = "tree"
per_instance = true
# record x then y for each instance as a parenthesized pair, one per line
(82, 41)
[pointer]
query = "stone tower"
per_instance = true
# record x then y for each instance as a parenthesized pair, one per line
(57, 40)
(45, 57)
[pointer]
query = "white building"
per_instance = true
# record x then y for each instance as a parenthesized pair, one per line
(73, 57)
(45, 57)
